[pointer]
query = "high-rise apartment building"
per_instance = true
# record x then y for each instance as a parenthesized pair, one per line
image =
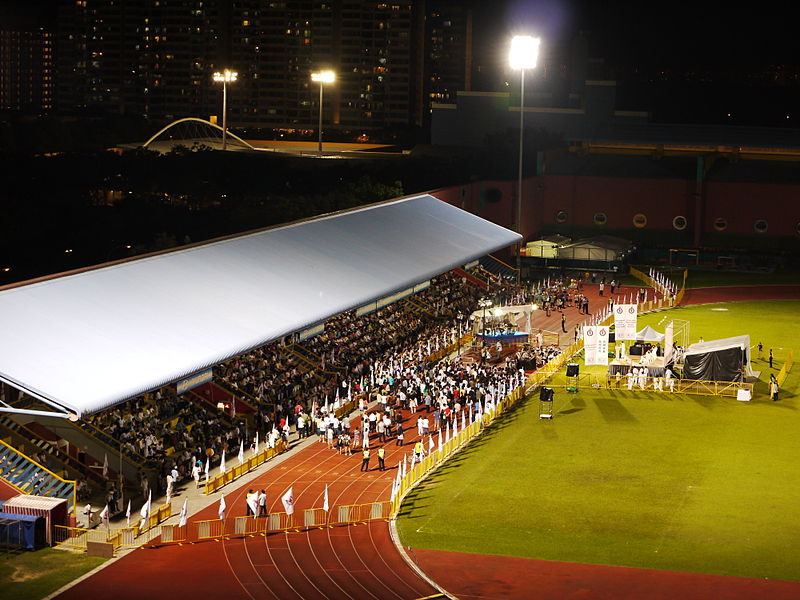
(448, 51)
(156, 58)
(26, 69)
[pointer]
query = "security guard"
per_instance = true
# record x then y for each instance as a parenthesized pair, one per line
(365, 460)
(381, 456)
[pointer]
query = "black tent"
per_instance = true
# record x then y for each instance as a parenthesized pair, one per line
(718, 360)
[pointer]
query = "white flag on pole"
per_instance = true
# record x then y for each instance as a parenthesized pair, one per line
(128, 513)
(404, 466)
(448, 433)
(105, 466)
(463, 421)
(145, 512)
(104, 515)
(208, 466)
(252, 502)
(288, 501)
(440, 440)
(222, 507)
(325, 505)
(256, 447)
(184, 513)
(455, 426)
(222, 462)
(241, 452)
(430, 444)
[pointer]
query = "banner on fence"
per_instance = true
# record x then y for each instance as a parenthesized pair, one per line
(669, 334)
(595, 344)
(625, 321)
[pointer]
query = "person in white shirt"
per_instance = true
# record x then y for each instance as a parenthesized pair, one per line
(668, 379)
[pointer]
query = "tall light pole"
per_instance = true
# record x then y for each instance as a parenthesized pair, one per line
(226, 77)
(322, 78)
(523, 55)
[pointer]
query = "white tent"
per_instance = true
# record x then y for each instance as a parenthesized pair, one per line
(501, 311)
(648, 334)
(89, 340)
(600, 248)
(541, 249)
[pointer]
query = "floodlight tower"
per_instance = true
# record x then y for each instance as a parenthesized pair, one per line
(523, 55)
(226, 77)
(322, 77)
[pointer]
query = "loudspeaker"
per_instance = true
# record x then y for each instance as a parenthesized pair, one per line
(612, 337)
(546, 394)
(635, 350)
(572, 370)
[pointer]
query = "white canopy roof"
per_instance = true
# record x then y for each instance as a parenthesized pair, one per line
(86, 341)
(648, 334)
(740, 341)
(502, 311)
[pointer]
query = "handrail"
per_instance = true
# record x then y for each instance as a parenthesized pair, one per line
(132, 457)
(505, 264)
(423, 307)
(208, 406)
(71, 482)
(53, 451)
(229, 387)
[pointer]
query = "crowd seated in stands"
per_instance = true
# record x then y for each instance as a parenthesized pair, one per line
(384, 353)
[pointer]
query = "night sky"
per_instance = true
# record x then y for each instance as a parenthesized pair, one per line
(722, 47)
(704, 34)
(707, 34)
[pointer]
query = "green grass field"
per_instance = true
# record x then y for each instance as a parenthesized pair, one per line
(676, 482)
(34, 575)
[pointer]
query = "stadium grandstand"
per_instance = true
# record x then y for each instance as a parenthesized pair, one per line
(142, 365)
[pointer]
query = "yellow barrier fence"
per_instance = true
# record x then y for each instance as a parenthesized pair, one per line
(685, 386)
(661, 303)
(787, 366)
(234, 472)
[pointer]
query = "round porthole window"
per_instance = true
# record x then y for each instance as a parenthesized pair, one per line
(561, 216)
(720, 224)
(600, 218)
(639, 220)
(679, 222)
(493, 195)
(761, 226)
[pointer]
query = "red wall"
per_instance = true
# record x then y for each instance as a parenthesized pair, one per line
(742, 204)
(660, 200)
(620, 199)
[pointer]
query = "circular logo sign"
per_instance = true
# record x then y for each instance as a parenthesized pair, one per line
(602, 332)
(589, 332)
(632, 309)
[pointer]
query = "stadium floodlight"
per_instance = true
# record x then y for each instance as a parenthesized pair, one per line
(523, 55)
(226, 77)
(322, 77)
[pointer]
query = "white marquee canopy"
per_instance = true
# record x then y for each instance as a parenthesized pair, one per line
(86, 341)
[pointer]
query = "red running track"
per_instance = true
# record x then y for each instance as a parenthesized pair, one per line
(523, 578)
(350, 562)
(751, 293)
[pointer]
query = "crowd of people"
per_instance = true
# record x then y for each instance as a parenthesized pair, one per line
(170, 431)
(382, 356)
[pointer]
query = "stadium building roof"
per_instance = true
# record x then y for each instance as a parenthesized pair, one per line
(86, 341)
